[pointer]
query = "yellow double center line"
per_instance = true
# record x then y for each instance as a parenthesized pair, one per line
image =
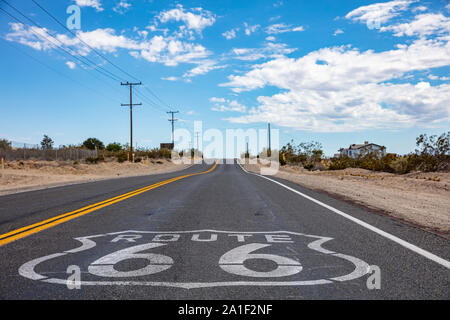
(34, 228)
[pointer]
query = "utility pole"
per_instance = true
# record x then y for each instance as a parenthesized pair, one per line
(196, 136)
(131, 113)
(173, 120)
(270, 144)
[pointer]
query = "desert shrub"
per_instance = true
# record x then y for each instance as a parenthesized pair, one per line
(5, 144)
(92, 143)
(114, 146)
(159, 162)
(122, 157)
(47, 143)
(432, 153)
(401, 165)
(76, 162)
(308, 166)
(307, 154)
(137, 160)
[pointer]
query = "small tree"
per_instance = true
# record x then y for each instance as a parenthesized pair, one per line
(433, 152)
(47, 143)
(5, 144)
(92, 143)
(115, 146)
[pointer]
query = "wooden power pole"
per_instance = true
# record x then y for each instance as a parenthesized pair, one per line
(173, 120)
(131, 113)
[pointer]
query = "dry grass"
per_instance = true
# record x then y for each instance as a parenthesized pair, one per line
(421, 198)
(30, 175)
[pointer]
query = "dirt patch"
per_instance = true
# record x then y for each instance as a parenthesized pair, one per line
(32, 175)
(419, 198)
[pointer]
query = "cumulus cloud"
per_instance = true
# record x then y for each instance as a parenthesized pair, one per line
(344, 89)
(250, 29)
(423, 25)
(169, 50)
(230, 34)
(338, 31)
(379, 12)
(197, 19)
(122, 7)
(226, 105)
(90, 3)
(71, 65)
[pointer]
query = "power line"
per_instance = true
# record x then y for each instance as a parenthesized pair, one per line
(74, 34)
(54, 70)
(152, 104)
(113, 77)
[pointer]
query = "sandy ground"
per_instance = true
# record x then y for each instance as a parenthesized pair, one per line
(22, 176)
(422, 199)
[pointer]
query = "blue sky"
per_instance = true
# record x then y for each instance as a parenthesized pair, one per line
(337, 72)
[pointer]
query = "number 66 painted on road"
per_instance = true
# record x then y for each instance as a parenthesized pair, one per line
(232, 262)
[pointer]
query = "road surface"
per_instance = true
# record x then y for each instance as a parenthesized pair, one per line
(210, 232)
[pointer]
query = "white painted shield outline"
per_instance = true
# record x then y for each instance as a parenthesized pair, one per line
(361, 267)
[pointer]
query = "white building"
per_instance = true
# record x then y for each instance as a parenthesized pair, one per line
(356, 150)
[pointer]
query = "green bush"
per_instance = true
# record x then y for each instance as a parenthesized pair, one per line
(114, 146)
(92, 143)
(5, 144)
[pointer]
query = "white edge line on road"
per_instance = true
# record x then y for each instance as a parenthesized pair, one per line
(385, 234)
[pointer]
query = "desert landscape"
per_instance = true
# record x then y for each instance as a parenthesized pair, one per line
(26, 175)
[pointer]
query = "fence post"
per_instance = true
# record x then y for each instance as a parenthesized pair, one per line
(3, 166)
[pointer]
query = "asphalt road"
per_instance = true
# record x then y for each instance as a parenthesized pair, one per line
(222, 234)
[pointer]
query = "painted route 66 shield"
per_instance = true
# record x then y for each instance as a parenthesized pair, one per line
(199, 259)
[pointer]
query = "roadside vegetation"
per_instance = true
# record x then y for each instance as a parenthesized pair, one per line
(94, 149)
(432, 154)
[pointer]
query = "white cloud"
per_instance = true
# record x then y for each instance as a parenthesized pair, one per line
(71, 65)
(122, 7)
(170, 78)
(270, 50)
(351, 91)
(379, 12)
(203, 67)
(231, 34)
(419, 8)
(197, 19)
(282, 28)
(270, 38)
(278, 4)
(226, 105)
(338, 31)
(169, 50)
(218, 100)
(250, 29)
(423, 25)
(90, 3)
